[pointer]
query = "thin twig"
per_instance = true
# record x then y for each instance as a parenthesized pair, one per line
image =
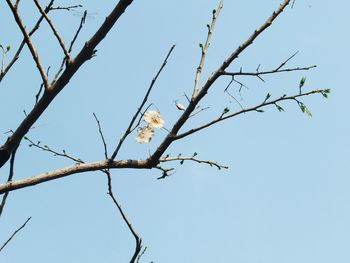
(293, 4)
(251, 109)
(138, 239)
(13, 235)
(193, 159)
(165, 172)
(233, 97)
(41, 87)
(267, 72)
(11, 173)
(20, 48)
(102, 137)
(46, 148)
(68, 8)
(54, 30)
(29, 44)
(205, 48)
(129, 129)
(198, 111)
(285, 62)
(82, 21)
(141, 254)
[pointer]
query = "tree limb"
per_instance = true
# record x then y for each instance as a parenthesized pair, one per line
(51, 92)
(73, 169)
(154, 158)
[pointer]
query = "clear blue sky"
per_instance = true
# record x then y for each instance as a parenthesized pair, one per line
(285, 197)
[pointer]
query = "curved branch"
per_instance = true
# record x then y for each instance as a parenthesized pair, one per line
(138, 239)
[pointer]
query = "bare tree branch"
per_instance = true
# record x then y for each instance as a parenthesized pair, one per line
(140, 255)
(82, 21)
(70, 66)
(46, 148)
(193, 159)
(136, 164)
(129, 129)
(258, 73)
(154, 158)
(138, 240)
(29, 43)
(205, 48)
(13, 235)
(68, 8)
(73, 169)
(254, 108)
(10, 177)
(50, 93)
(20, 48)
(102, 137)
(54, 30)
(41, 87)
(165, 171)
